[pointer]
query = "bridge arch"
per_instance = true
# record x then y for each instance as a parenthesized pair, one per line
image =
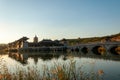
(84, 50)
(115, 50)
(99, 50)
(77, 49)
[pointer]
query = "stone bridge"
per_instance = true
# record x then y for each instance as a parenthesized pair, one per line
(98, 47)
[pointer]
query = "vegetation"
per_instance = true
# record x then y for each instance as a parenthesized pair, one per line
(3, 47)
(92, 39)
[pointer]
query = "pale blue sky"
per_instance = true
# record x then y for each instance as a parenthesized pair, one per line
(57, 19)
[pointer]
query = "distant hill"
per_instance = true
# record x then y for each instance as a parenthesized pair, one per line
(3, 46)
(115, 37)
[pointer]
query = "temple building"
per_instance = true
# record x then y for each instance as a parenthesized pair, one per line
(45, 43)
(35, 39)
(22, 43)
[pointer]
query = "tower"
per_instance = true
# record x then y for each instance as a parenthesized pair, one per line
(35, 40)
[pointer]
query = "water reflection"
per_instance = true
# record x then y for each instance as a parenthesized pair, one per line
(23, 57)
(101, 64)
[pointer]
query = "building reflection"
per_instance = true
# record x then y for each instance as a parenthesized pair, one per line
(19, 57)
(23, 57)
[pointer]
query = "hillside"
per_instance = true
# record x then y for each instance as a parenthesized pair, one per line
(115, 37)
(2, 47)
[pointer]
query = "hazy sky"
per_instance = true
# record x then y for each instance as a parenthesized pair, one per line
(57, 19)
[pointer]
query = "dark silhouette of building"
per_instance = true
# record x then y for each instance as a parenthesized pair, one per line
(45, 43)
(35, 39)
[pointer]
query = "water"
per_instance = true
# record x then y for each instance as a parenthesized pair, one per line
(89, 63)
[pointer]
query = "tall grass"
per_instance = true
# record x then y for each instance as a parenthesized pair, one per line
(57, 72)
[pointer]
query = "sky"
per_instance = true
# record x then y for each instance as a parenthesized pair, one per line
(58, 19)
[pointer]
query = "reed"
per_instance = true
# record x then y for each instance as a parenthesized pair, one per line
(57, 72)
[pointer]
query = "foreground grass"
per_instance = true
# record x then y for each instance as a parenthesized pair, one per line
(57, 72)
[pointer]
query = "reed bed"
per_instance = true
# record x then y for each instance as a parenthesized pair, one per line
(57, 72)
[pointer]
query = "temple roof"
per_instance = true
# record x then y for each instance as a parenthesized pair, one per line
(21, 39)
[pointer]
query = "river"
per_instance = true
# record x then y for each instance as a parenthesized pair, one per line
(108, 65)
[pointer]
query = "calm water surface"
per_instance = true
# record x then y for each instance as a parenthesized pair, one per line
(110, 65)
